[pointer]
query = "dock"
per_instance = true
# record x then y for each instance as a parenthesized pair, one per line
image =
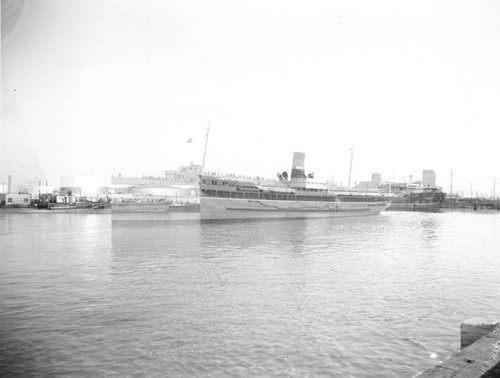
(480, 354)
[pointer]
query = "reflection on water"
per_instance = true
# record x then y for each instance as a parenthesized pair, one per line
(383, 295)
(52, 269)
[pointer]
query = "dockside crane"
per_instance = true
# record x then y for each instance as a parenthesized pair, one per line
(37, 184)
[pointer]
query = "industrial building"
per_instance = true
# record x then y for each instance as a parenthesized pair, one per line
(14, 200)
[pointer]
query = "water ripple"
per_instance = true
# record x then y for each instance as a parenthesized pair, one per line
(381, 296)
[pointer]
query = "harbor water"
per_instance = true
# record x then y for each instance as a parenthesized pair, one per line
(83, 294)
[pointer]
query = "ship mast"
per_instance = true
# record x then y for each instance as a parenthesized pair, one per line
(205, 152)
(350, 168)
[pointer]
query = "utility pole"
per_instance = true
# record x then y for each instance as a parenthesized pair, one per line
(36, 182)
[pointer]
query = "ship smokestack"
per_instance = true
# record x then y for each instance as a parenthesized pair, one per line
(9, 184)
(297, 179)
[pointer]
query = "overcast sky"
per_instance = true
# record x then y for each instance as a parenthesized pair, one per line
(101, 86)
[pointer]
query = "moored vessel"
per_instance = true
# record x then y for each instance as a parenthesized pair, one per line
(416, 197)
(301, 197)
(80, 207)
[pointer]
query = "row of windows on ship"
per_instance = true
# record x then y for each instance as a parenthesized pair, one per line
(286, 196)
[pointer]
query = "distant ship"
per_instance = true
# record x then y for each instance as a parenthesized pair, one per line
(301, 197)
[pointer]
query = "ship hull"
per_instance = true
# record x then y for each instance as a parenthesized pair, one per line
(234, 208)
(100, 208)
(154, 207)
(432, 207)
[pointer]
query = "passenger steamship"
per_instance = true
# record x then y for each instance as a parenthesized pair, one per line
(301, 197)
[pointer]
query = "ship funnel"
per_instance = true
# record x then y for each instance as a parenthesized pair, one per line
(297, 179)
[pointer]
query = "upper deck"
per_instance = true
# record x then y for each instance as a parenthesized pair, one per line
(224, 187)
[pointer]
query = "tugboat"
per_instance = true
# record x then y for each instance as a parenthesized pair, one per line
(416, 197)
